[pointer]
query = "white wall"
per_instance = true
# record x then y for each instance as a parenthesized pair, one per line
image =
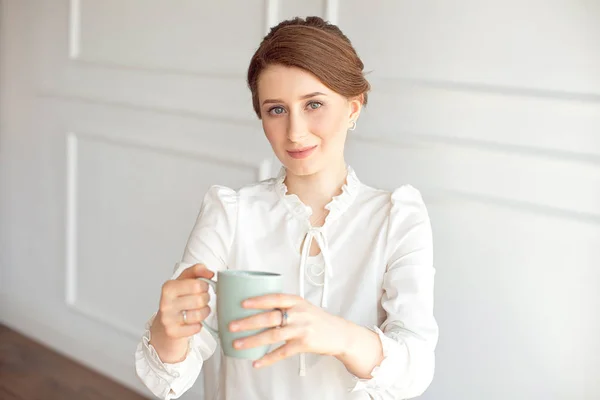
(115, 116)
(493, 109)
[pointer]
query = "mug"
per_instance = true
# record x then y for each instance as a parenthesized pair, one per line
(232, 287)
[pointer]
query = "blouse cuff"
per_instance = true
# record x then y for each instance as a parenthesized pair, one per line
(396, 360)
(167, 381)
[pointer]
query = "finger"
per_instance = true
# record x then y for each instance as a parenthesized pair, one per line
(278, 300)
(191, 302)
(287, 350)
(176, 288)
(196, 271)
(270, 336)
(269, 319)
(174, 328)
(196, 316)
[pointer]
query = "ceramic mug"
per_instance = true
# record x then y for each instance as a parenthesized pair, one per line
(232, 288)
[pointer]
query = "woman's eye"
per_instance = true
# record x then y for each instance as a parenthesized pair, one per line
(276, 110)
(314, 105)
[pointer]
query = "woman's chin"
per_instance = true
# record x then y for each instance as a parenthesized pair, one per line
(301, 167)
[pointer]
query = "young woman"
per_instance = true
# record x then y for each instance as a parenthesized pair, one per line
(357, 318)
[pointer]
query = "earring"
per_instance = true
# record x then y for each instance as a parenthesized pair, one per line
(353, 127)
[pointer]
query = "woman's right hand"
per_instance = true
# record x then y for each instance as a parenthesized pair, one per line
(169, 333)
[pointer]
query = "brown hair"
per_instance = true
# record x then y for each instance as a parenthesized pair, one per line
(313, 45)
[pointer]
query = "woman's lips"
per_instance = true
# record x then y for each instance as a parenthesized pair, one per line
(302, 153)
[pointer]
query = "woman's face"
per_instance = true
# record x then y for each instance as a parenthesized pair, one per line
(305, 122)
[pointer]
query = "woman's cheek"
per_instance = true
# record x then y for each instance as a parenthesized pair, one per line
(321, 126)
(269, 130)
(326, 128)
(275, 137)
(326, 124)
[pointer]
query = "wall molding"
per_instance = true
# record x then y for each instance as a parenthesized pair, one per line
(265, 168)
(442, 195)
(74, 52)
(178, 72)
(438, 196)
(194, 153)
(331, 11)
(554, 149)
(271, 14)
(74, 29)
(421, 141)
(408, 139)
(71, 223)
(405, 140)
(331, 14)
(72, 267)
(522, 180)
(391, 83)
(177, 112)
(88, 311)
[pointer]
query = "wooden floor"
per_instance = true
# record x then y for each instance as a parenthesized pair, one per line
(30, 371)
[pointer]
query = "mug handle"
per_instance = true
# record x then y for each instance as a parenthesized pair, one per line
(213, 284)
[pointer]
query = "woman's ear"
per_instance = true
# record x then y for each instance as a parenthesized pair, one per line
(355, 107)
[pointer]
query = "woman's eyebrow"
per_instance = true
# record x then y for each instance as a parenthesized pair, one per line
(306, 96)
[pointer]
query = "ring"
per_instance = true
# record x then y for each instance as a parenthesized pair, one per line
(284, 317)
(184, 314)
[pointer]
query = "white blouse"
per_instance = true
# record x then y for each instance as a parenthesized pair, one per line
(375, 269)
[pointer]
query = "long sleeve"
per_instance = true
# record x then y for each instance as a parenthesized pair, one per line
(409, 334)
(209, 243)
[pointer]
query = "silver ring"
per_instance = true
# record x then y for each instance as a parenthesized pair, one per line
(284, 317)
(184, 314)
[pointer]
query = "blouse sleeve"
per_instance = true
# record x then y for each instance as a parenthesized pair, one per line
(209, 243)
(409, 334)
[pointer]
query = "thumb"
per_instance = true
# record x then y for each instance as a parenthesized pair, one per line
(196, 271)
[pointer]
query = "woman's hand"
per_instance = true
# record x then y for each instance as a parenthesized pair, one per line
(309, 328)
(170, 331)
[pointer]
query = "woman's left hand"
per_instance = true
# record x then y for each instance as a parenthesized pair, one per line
(309, 328)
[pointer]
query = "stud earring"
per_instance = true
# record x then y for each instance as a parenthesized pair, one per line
(353, 127)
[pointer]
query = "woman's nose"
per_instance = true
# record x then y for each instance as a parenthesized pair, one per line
(297, 128)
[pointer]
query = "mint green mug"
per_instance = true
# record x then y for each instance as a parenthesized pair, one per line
(232, 288)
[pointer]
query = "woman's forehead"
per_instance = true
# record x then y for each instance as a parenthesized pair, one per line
(279, 80)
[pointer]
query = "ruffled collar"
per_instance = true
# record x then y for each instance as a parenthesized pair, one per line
(336, 207)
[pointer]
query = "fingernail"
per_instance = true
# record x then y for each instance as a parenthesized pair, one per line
(257, 364)
(237, 344)
(233, 327)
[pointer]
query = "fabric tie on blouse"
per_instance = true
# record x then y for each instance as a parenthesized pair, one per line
(314, 233)
(338, 205)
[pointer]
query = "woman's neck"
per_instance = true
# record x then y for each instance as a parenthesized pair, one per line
(318, 189)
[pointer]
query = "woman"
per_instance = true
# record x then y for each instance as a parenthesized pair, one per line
(359, 323)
